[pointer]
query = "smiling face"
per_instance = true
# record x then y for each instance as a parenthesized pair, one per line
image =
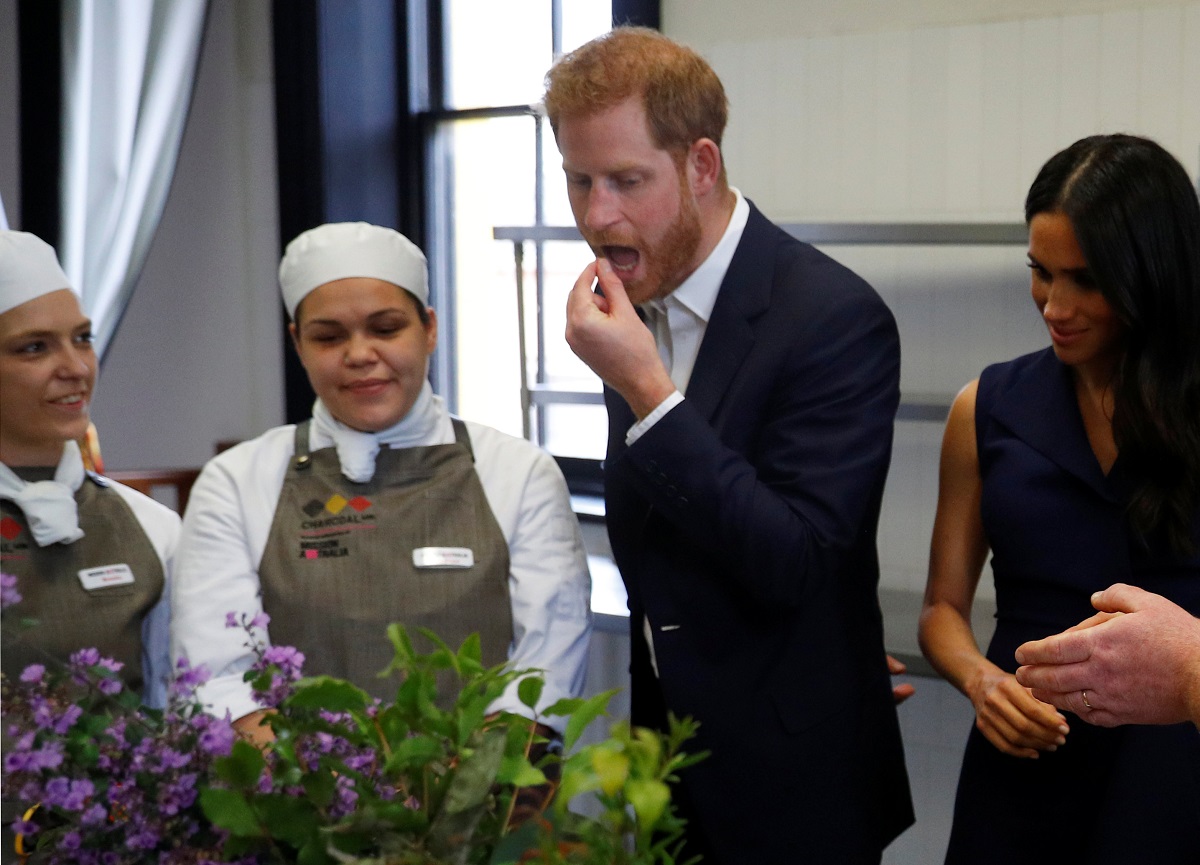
(365, 350)
(47, 374)
(1084, 328)
(631, 199)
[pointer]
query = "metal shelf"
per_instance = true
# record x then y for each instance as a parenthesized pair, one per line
(834, 233)
(920, 408)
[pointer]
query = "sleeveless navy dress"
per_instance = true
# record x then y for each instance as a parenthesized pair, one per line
(1055, 525)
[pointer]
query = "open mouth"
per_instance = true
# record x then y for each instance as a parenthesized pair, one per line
(624, 259)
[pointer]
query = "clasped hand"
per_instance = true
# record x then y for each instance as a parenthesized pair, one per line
(1012, 719)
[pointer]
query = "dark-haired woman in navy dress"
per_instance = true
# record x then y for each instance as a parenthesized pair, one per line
(1077, 467)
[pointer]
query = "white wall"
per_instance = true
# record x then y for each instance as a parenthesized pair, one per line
(197, 357)
(941, 121)
(936, 110)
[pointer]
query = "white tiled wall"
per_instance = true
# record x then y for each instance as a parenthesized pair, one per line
(942, 122)
(834, 119)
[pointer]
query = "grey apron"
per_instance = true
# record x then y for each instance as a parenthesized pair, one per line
(69, 616)
(343, 560)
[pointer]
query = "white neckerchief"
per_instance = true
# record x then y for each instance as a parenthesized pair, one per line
(426, 423)
(49, 506)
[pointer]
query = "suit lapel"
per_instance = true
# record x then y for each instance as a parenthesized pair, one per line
(1041, 409)
(743, 296)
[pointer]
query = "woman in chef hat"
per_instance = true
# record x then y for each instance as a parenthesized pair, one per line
(382, 507)
(92, 558)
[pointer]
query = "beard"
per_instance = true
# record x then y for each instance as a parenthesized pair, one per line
(667, 262)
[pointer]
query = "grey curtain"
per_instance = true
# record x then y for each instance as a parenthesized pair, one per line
(128, 72)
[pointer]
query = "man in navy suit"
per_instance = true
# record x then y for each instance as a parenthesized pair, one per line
(751, 385)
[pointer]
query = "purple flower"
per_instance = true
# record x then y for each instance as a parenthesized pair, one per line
(67, 720)
(143, 838)
(110, 687)
(8, 591)
(70, 841)
(85, 658)
(260, 621)
(286, 658)
(43, 713)
(33, 673)
(30, 792)
(362, 762)
(345, 797)
(170, 759)
(217, 739)
(24, 827)
(81, 791)
(49, 756)
(188, 678)
(18, 761)
(386, 792)
(231, 620)
(94, 816)
(57, 790)
(110, 665)
(285, 663)
(178, 795)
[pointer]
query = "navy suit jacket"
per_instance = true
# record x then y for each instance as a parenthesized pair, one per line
(744, 525)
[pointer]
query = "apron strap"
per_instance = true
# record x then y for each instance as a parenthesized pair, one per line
(462, 436)
(300, 450)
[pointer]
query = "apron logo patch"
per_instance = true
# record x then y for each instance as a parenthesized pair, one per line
(10, 529)
(335, 504)
(325, 534)
(331, 548)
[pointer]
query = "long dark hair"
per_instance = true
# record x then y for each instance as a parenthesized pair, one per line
(1137, 220)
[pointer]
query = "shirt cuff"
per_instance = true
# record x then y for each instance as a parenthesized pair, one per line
(641, 427)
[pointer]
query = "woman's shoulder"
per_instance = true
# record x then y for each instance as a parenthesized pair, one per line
(1000, 377)
(134, 498)
(498, 454)
(489, 440)
(156, 519)
(274, 445)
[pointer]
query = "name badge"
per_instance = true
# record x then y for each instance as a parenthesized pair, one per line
(105, 576)
(443, 557)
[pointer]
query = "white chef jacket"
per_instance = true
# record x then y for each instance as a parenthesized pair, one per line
(229, 517)
(162, 528)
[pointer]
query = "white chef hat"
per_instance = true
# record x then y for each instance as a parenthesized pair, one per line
(28, 269)
(340, 250)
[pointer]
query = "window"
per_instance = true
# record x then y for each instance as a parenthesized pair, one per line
(492, 162)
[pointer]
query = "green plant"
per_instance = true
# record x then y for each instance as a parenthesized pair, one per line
(352, 780)
(422, 780)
